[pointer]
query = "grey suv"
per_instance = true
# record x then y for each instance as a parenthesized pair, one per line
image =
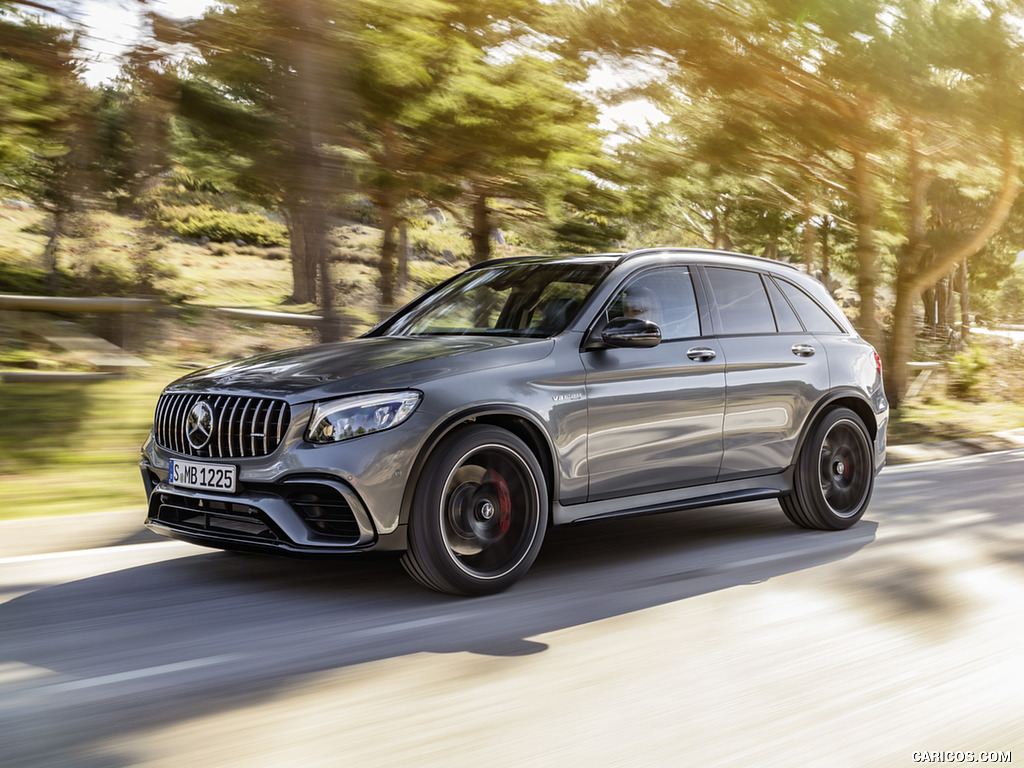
(525, 393)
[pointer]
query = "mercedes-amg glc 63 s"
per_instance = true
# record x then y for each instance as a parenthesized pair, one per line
(525, 393)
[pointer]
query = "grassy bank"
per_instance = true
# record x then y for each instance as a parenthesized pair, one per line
(73, 447)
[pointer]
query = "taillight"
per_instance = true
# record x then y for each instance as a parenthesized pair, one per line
(878, 364)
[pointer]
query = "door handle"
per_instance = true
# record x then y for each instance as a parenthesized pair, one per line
(803, 350)
(701, 353)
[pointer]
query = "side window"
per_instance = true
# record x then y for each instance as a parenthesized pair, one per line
(663, 296)
(557, 305)
(785, 317)
(816, 319)
(742, 302)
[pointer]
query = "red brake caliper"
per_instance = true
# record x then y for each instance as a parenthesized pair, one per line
(504, 500)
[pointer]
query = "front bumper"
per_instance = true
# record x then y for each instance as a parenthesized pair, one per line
(301, 499)
(303, 515)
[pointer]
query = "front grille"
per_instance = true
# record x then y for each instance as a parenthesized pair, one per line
(204, 515)
(324, 510)
(239, 426)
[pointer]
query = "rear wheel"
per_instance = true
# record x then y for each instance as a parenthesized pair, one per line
(834, 475)
(479, 514)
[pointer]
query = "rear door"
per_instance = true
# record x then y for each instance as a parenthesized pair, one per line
(776, 371)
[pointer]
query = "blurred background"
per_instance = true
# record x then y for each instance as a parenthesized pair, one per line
(187, 182)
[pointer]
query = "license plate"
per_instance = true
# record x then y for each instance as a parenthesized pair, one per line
(208, 477)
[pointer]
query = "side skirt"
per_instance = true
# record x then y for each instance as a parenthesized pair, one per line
(731, 492)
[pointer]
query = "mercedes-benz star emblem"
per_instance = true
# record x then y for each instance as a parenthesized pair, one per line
(199, 427)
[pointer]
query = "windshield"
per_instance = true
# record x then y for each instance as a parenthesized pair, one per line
(523, 299)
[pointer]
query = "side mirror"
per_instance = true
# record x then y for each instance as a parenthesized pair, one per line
(631, 332)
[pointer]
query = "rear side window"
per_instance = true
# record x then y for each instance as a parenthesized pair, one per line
(743, 306)
(785, 317)
(816, 319)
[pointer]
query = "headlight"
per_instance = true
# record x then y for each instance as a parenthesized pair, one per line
(338, 420)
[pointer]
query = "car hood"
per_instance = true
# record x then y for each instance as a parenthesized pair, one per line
(360, 365)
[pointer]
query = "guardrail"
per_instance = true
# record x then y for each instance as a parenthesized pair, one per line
(18, 303)
(107, 358)
(275, 318)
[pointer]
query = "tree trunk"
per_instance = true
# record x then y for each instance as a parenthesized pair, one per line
(317, 257)
(942, 304)
(901, 344)
(912, 254)
(311, 99)
(826, 254)
(303, 268)
(50, 252)
(931, 319)
(480, 235)
(403, 256)
(387, 255)
(965, 302)
(950, 301)
(810, 233)
(867, 273)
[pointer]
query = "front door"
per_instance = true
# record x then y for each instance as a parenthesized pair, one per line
(655, 415)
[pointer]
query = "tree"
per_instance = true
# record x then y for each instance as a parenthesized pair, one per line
(268, 92)
(45, 117)
(527, 138)
(964, 129)
(820, 99)
(404, 61)
(457, 108)
(788, 88)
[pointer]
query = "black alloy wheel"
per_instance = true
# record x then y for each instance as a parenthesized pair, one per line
(479, 515)
(835, 474)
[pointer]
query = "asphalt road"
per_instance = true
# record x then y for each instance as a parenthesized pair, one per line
(712, 637)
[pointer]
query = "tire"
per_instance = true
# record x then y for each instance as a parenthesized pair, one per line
(834, 475)
(479, 514)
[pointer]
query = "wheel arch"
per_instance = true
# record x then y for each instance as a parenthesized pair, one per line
(519, 422)
(851, 399)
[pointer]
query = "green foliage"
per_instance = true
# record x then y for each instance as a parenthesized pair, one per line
(965, 372)
(37, 227)
(359, 209)
(1008, 300)
(24, 112)
(434, 243)
(197, 221)
(426, 274)
(586, 232)
(104, 278)
(16, 277)
(105, 274)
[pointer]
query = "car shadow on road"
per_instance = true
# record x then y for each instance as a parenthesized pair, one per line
(268, 621)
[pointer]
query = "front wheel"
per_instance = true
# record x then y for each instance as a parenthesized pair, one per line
(834, 474)
(479, 514)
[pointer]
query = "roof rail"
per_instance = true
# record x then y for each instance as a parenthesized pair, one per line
(708, 251)
(544, 257)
